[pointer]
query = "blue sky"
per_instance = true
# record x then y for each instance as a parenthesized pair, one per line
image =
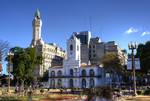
(119, 20)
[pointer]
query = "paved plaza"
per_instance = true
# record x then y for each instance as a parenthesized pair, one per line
(138, 98)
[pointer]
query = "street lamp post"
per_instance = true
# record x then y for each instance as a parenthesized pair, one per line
(132, 47)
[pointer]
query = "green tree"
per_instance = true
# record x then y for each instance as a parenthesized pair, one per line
(24, 62)
(112, 63)
(143, 52)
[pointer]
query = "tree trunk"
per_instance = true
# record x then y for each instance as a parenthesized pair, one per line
(22, 87)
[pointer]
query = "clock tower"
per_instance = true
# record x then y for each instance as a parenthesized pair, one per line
(37, 25)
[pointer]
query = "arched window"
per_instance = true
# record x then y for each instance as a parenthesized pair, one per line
(92, 72)
(92, 83)
(59, 73)
(71, 83)
(59, 83)
(71, 72)
(53, 73)
(71, 47)
(52, 83)
(83, 72)
(83, 83)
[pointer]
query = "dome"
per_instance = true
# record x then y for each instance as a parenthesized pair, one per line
(37, 14)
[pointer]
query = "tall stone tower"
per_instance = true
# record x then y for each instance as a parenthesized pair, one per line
(52, 54)
(37, 41)
(37, 25)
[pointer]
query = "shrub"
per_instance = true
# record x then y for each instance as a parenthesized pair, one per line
(107, 93)
(88, 92)
(147, 92)
(42, 91)
(29, 93)
(103, 92)
(139, 92)
(116, 90)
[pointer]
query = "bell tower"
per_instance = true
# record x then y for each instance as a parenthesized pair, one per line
(73, 60)
(73, 48)
(36, 25)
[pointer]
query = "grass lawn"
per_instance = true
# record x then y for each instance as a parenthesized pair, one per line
(63, 96)
(21, 98)
(50, 97)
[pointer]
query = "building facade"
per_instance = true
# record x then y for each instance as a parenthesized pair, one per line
(84, 37)
(73, 74)
(93, 49)
(113, 47)
(52, 54)
(96, 51)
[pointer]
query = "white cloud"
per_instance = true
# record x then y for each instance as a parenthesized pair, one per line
(145, 33)
(131, 30)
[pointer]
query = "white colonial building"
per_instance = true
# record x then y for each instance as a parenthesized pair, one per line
(74, 74)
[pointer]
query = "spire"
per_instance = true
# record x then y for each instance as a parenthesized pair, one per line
(37, 24)
(37, 14)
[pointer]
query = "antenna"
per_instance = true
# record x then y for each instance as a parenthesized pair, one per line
(90, 23)
(101, 36)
